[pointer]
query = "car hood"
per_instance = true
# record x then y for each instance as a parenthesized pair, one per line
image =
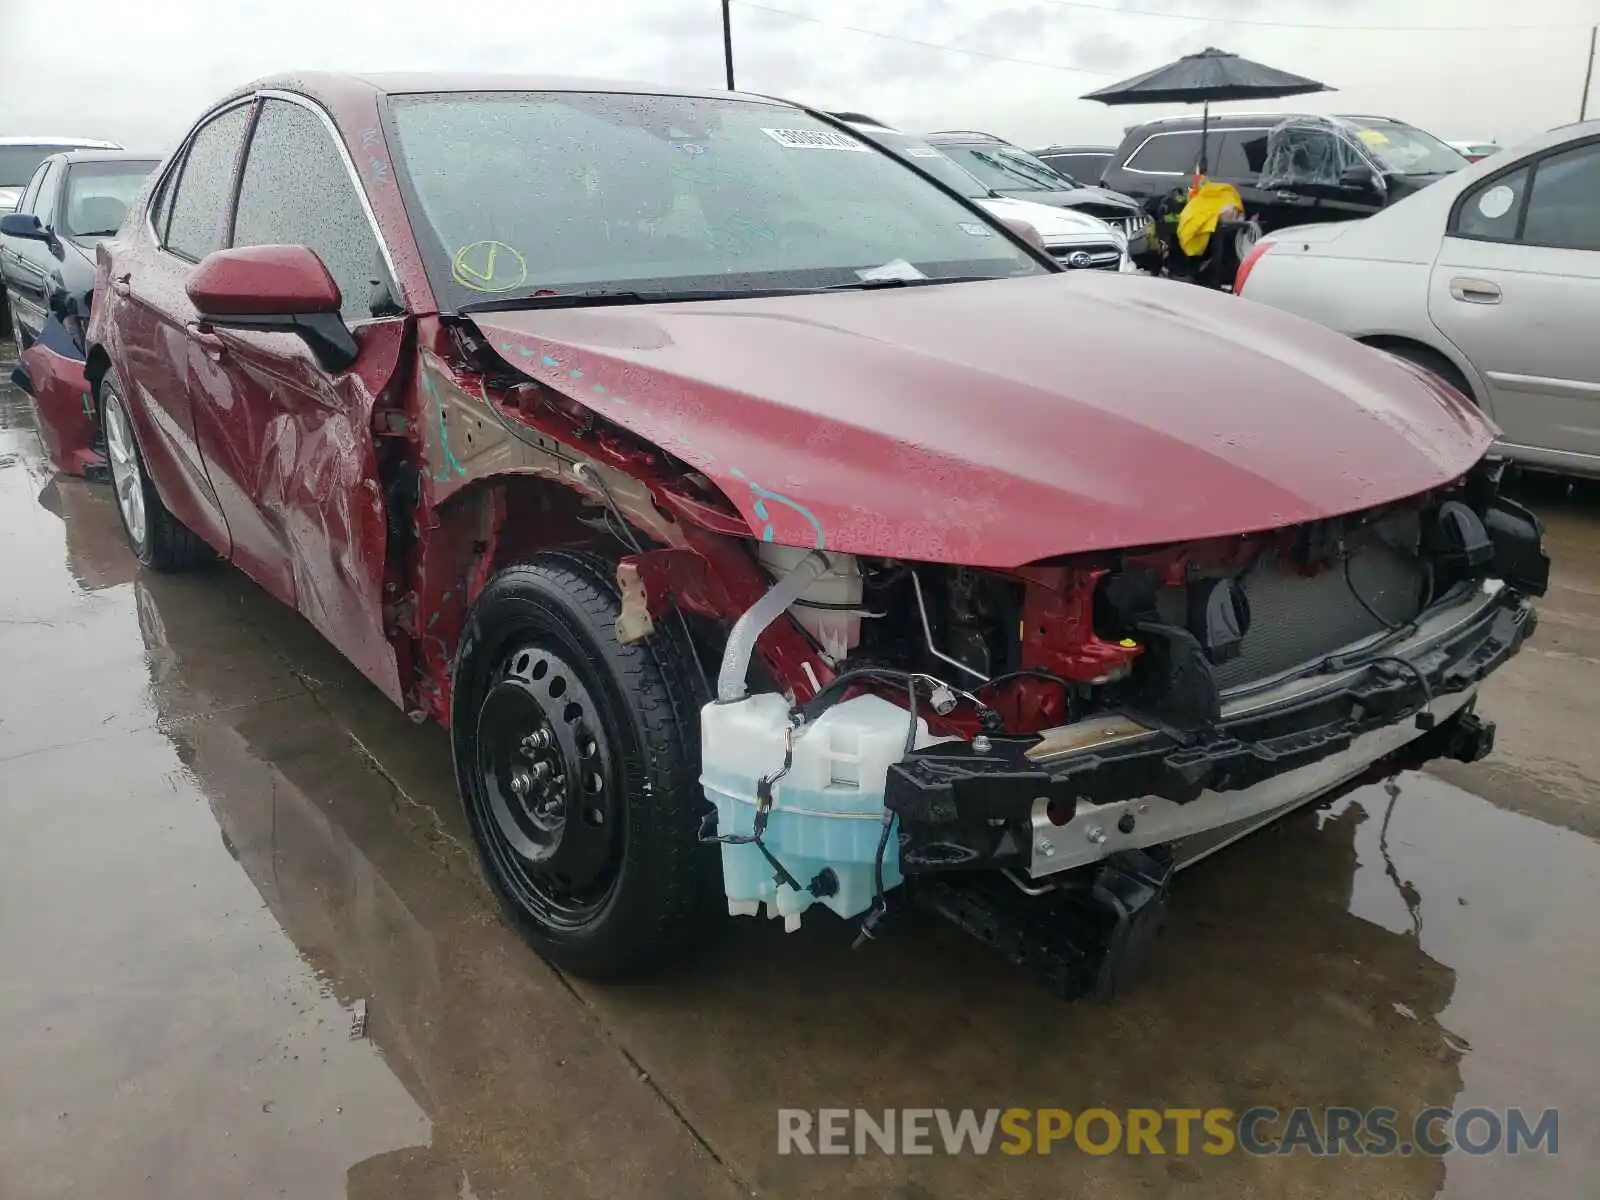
(999, 423)
(1053, 224)
(1093, 199)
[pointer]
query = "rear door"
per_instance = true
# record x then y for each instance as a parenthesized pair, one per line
(288, 444)
(150, 319)
(1516, 287)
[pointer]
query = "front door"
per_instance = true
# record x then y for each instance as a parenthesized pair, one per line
(1516, 287)
(293, 441)
(29, 265)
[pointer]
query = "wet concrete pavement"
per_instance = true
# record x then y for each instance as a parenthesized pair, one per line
(218, 845)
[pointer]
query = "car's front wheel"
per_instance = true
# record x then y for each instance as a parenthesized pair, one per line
(577, 760)
(157, 537)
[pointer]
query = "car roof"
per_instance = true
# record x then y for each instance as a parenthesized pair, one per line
(40, 140)
(1233, 120)
(337, 87)
(90, 156)
(952, 136)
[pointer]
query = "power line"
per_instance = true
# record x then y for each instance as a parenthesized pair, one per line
(1219, 20)
(895, 37)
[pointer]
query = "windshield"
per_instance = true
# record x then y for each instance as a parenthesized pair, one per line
(1005, 168)
(18, 163)
(932, 160)
(98, 195)
(1406, 150)
(521, 193)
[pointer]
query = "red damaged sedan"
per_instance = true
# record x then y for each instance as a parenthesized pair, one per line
(773, 529)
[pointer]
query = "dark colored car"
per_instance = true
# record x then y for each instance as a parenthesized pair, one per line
(1082, 164)
(1157, 158)
(74, 201)
(767, 529)
(19, 157)
(1011, 171)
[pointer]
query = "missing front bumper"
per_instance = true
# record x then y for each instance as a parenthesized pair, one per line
(1078, 794)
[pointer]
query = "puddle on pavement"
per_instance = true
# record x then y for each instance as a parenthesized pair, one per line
(216, 840)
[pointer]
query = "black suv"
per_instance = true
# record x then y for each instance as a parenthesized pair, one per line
(1158, 158)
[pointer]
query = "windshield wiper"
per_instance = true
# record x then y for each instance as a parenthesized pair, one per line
(607, 297)
(604, 297)
(864, 285)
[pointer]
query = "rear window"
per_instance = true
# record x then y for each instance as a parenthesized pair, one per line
(18, 163)
(98, 195)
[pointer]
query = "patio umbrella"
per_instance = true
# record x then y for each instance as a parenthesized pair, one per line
(1211, 74)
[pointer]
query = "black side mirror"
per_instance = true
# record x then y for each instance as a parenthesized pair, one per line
(25, 225)
(1357, 177)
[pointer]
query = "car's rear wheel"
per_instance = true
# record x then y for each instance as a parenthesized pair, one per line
(157, 537)
(577, 761)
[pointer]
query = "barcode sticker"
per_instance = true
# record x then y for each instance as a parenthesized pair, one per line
(814, 139)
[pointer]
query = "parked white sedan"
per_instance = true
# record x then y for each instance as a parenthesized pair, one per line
(1489, 278)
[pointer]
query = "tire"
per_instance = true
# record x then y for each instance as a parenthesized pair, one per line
(1433, 362)
(19, 340)
(157, 538)
(594, 855)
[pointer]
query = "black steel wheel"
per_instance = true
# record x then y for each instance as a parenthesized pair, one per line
(577, 761)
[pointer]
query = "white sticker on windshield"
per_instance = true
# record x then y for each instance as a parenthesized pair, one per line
(923, 152)
(1496, 202)
(974, 229)
(815, 139)
(897, 268)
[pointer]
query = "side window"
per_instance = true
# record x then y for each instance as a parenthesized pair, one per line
(44, 202)
(1085, 168)
(161, 204)
(1564, 206)
(200, 203)
(1253, 145)
(1242, 155)
(297, 191)
(1167, 154)
(25, 205)
(1491, 209)
(1175, 153)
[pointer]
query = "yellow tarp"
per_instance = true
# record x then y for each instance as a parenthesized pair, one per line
(1198, 220)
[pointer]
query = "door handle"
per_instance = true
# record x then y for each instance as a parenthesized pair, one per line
(1286, 195)
(120, 284)
(1474, 291)
(213, 346)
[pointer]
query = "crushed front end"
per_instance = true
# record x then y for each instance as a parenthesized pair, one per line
(1035, 751)
(51, 371)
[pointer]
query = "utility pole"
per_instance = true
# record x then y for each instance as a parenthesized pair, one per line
(727, 47)
(1588, 73)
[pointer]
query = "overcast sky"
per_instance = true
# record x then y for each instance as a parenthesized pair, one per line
(139, 72)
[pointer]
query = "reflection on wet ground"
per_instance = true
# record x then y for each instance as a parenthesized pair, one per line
(218, 847)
